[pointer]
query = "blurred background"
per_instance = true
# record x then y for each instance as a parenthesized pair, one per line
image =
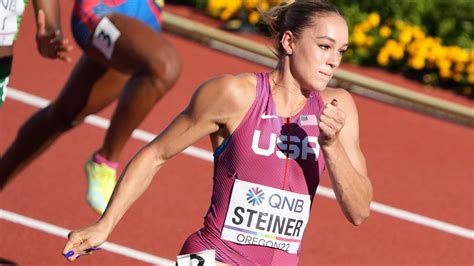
(430, 41)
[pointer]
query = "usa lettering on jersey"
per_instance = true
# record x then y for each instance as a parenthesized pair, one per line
(296, 148)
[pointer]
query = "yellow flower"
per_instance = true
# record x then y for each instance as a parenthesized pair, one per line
(215, 7)
(254, 17)
(365, 26)
(391, 43)
(453, 52)
(445, 73)
(444, 64)
(470, 78)
(385, 32)
(439, 52)
(470, 68)
(359, 38)
(459, 67)
(358, 28)
(397, 52)
(369, 41)
(463, 56)
(264, 5)
(383, 57)
(373, 19)
(417, 62)
(417, 32)
(405, 36)
(251, 4)
(230, 9)
(415, 48)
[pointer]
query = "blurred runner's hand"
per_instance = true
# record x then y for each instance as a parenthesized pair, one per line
(51, 44)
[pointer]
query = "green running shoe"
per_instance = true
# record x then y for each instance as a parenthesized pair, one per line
(101, 183)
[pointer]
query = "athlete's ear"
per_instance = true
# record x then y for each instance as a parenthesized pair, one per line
(287, 42)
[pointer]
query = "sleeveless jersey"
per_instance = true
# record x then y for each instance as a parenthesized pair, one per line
(267, 150)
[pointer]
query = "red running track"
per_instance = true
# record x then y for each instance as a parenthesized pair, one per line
(416, 163)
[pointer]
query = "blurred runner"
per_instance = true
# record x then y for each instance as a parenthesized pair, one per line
(11, 14)
(126, 57)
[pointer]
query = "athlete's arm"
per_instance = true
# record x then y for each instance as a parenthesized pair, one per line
(214, 105)
(50, 40)
(339, 141)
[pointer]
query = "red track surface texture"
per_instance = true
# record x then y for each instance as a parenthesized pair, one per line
(416, 163)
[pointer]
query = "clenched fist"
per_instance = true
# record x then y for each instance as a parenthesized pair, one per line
(331, 122)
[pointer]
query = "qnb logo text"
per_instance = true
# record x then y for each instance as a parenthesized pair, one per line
(297, 148)
(280, 202)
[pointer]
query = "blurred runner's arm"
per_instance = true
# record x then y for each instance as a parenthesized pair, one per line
(50, 40)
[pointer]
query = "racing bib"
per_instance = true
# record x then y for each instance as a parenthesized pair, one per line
(266, 216)
(105, 36)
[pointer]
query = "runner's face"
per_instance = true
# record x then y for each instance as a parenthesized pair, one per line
(318, 51)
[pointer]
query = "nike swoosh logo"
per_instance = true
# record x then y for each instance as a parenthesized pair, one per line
(264, 116)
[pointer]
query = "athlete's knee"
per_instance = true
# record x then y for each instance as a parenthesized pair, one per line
(164, 66)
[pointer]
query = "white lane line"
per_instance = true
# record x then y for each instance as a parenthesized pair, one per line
(101, 122)
(207, 156)
(62, 232)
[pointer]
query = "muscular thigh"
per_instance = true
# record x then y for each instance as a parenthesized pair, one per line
(89, 89)
(88, 13)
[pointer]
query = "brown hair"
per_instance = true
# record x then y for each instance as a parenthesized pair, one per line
(295, 17)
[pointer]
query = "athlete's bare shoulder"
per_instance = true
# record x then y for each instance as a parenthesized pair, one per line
(344, 98)
(225, 97)
(240, 88)
(328, 94)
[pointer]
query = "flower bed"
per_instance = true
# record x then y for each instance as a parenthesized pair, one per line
(406, 48)
(427, 40)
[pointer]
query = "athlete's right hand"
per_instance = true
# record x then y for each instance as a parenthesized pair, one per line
(83, 241)
(51, 43)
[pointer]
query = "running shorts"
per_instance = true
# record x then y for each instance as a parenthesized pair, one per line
(87, 14)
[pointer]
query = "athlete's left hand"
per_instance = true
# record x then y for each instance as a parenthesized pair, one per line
(331, 122)
(84, 241)
(51, 44)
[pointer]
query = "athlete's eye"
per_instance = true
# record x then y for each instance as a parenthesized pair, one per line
(342, 52)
